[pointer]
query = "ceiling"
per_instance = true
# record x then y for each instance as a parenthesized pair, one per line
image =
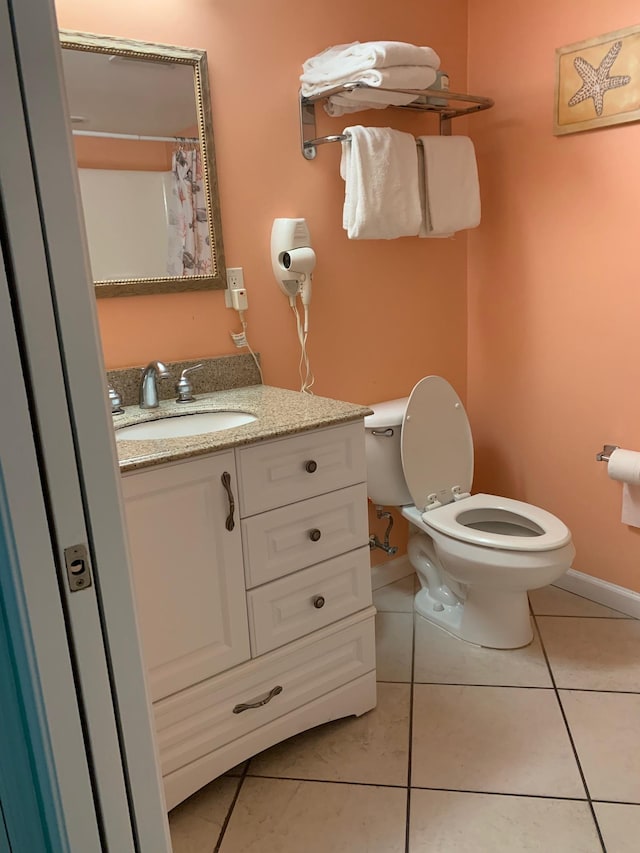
(121, 95)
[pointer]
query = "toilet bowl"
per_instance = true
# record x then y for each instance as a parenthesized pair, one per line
(475, 555)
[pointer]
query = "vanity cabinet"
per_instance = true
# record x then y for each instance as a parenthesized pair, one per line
(253, 634)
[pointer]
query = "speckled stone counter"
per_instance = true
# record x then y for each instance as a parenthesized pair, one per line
(278, 412)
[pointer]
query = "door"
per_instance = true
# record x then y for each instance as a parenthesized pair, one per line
(53, 395)
(192, 612)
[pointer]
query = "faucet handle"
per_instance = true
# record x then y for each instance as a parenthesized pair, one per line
(116, 401)
(183, 386)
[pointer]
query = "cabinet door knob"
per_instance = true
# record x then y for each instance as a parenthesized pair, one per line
(318, 602)
(314, 534)
(311, 466)
(258, 703)
(226, 482)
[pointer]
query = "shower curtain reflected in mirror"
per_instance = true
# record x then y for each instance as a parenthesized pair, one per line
(189, 250)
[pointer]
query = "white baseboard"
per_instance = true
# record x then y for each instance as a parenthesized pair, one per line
(390, 572)
(602, 592)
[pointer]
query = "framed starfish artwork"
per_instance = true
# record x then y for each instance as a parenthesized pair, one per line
(598, 82)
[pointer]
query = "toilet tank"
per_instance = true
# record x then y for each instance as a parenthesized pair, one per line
(385, 480)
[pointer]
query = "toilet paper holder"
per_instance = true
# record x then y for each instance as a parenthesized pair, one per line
(604, 455)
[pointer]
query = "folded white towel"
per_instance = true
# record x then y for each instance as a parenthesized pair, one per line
(338, 64)
(398, 77)
(451, 200)
(380, 169)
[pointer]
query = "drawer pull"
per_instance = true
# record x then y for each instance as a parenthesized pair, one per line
(311, 466)
(318, 602)
(226, 482)
(314, 534)
(258, 703)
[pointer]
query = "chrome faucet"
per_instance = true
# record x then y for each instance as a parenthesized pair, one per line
(149, 386)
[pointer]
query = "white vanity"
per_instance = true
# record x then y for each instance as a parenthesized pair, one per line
(253, 586)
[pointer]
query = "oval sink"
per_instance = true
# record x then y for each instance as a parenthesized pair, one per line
(184, 425)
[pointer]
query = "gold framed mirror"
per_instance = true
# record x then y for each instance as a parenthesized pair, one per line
(141, 123)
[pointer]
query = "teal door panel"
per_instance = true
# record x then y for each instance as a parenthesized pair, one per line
(31, 816)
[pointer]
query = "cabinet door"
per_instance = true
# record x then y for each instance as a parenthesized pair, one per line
(188, 572)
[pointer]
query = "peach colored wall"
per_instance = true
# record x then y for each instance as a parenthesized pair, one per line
(100, 153)
(383, 313)
(554, 288)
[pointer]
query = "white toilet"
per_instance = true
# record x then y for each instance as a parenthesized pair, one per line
(476, 555)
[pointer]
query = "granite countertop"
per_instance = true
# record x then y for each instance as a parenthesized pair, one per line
(279, 412)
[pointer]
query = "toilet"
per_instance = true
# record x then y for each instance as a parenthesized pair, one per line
(475, 555)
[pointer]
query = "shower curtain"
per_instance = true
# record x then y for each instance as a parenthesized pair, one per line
(189, 249)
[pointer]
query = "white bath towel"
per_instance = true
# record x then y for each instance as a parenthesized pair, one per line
(451, 200)
(338, 64)
(398, 77)
(380, 169)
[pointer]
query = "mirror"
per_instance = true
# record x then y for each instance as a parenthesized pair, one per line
(141, 123)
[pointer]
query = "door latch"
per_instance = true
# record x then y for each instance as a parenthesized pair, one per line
(76, 558)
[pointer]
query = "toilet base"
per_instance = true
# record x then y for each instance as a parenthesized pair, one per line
(491, 618)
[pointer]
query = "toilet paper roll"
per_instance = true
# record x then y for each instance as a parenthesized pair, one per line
(624, 465)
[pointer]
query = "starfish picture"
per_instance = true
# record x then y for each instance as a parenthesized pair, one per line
(596, 81)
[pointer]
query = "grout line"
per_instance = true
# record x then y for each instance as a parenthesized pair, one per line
(623, 618)
(521, 687)
(501, 794)
(596, 690)
(571, 741)
(225, 824)
(411, 692)
(329, 781)
(470, 684)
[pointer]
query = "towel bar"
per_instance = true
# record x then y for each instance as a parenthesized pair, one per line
(309, 140)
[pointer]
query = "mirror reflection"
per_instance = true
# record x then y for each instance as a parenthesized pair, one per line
(144, 166)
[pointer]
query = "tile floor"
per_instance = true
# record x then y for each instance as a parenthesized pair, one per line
(468, 751)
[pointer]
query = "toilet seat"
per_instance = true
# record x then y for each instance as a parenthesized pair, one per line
(436, 444)
(491, 513)
(437, 461)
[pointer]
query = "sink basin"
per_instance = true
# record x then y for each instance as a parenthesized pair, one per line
(184, 425)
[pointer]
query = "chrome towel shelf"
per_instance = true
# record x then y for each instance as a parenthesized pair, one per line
(450, 105)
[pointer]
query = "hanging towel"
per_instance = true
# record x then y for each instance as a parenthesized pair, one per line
(380, 169)
(451, 200)
(398, 77)
(338, 64)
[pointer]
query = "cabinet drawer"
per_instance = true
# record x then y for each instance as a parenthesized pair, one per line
(284, 540)
(292, 469)
(292, 607)
(199, 720)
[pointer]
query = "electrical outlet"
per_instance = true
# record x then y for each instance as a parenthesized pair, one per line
(235, 278)
(235, 281)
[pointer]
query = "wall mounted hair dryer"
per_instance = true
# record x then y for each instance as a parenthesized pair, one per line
(292, 258)
(293, 262)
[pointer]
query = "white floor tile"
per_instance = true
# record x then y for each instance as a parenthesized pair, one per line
(372, 748)
(606, 731)
(441, 658)
(492, 739)
(196, 823)
(283, 816)
(396, 597)
(552, 601)
(593, 654)
(394, 646)
(619, 825)
(451, 822)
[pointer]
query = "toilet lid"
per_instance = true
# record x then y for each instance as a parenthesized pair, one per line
(437, 446)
